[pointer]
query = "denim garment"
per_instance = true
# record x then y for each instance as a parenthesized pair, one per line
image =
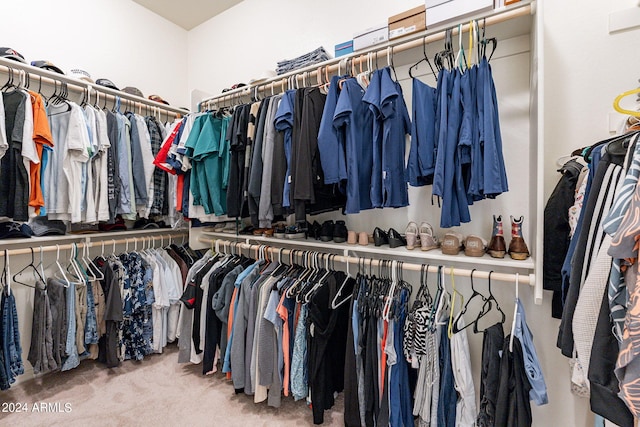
(91, 322)
(448, 396)
(538, 392)
(226, 366)
(10, 344)
(299, 387)
(422, 150)
(400, 399)
(71, 349)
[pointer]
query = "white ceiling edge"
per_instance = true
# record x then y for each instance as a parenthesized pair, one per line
(187, 14)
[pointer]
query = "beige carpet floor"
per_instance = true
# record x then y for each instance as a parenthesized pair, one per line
(154, 392)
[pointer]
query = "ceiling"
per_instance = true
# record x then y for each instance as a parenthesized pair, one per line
(187, 13)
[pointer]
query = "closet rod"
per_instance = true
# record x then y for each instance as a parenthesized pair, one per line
(528, 279)
(51, 77)
(360, 57)
(107, 243)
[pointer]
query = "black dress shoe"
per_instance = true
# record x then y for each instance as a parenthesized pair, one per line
(380, 237)
(396, 239)
(316, 230)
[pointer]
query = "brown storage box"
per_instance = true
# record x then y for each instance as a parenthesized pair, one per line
(408, 22)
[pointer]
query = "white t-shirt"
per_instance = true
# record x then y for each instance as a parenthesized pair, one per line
(89, 204)
(101, 193)
(4, 146)
(147, 159)
(29, 153)
(64, 172)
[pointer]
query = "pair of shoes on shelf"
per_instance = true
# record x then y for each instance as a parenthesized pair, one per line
(279, 230)
(391, 238)
(298, 231)
(361, 238)
(454, 242)
(422, 236)
(336, 231)
(264, 232)
(497, 248)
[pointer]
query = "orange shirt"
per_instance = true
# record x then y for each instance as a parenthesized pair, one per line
(41, 136)
(284, 315)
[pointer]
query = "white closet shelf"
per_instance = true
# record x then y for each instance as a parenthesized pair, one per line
(106, 236)
(434, 256)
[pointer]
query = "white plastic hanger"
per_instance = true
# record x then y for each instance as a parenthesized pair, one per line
(335, 304)
(515, 315)
(60, 269)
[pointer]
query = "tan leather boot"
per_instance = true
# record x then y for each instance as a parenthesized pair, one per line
(517, 247)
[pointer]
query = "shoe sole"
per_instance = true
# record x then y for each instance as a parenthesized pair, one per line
(396, 243)
(497, 254)
(450, 251)
(295, 236)
(279, 235)
(325, 238)
(474, 252)
(339, 239)
(428, 248)
(411, 247)
(518, 256)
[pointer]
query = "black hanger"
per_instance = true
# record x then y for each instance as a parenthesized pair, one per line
(35, 270)
(490, 301)
(393, 67)
(425, 58)
(9, 84)
(466, 306)
(619, 147)
(587, 153)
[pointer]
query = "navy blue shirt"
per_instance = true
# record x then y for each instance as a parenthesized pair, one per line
(354, 122)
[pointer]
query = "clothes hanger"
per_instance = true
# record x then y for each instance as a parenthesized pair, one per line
(90, 265)
(41, 265)
(5, 279)
(388, 298)
(76, 270)
(35, 271)
(335, 303)
(491, 300)
(461, 59)
(474, 294)
(425, 58)
(619, 109)
(390, 62)
(60, 269)
(453, 303)
(9, 83)
(515, 315)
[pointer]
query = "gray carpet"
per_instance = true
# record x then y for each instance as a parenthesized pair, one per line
(157, 391)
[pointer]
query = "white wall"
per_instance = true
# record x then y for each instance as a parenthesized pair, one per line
(586, 68)
(249, 39)
(115, 39)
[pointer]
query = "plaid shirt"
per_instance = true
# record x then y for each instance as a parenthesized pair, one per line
(159, 206)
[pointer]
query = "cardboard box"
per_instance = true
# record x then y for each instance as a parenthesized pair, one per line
(371, 36)
(503, 3)
(407, 22)
(443, 12)
(344, 48)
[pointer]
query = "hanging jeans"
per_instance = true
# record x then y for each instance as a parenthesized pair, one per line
(11, 349)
